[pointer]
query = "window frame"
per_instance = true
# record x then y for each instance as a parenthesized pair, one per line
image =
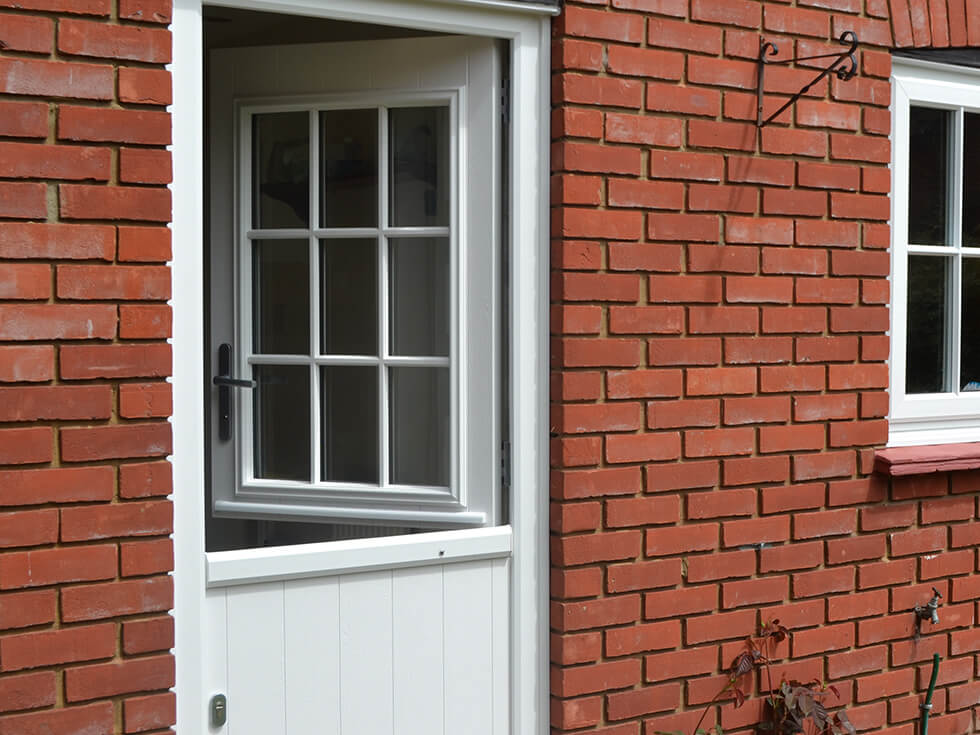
(934, 418)
(469, 501)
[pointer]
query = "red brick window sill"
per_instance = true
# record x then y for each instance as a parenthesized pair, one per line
(899, 461)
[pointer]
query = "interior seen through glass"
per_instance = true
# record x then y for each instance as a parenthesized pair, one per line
(354, 358)
(925, 363)
(928, 175)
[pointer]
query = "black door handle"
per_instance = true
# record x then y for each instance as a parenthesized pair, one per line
(225, 383)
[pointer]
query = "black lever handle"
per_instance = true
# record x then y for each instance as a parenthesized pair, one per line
(225, 383)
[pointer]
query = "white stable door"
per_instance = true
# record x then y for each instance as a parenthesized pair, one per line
(358, 564)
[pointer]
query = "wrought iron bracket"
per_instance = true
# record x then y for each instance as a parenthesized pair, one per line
(844, 65)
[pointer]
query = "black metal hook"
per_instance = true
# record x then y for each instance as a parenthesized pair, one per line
(843, 71)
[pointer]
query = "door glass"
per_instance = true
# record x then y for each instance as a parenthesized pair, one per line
(420, 185)
(925, 367)
(419, 296)
(281, 170)
(281, 297)
(281, 422)
(350, 423)
(349, 168)
(349, 297)
(419, 426)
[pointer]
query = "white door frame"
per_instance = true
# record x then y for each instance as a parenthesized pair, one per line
(527, 27)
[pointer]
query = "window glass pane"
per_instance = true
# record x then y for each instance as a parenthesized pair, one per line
(349, 294)
(925, 365)
(282, 422)
(419, 426)
(928, 174)
(419, 141)
(281, 170)
(349, 168)
(281, 297)
(419, 296)
(970, 327)
(971, 179)
(350, 423)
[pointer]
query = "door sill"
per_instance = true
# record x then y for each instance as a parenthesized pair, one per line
(327, 559)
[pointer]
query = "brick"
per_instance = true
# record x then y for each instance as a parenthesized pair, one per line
(25, 282)
(794, 319)
(646, 320)
(793, 497)
(647, 63)
(681, 539)
(26, 446)
(592, 483)
(576, 451)
(116, 442)
(642, 701)
(145, 400)
(607, 546)
(826, 290)
(885, 573)
(794, 202)
(584, 22)
(754, 350)
(823, 465)
(24, 119)
(752, 470)
(841, 665)
(824, 523)
(45, 648)
(791, 378)
(28, 528)
(643, 575)
(83, 362)
(141, 558)
(721, 565)
(644, 257)
(663, 97)
(718, 442)
(57, 321)
(592, 90)
(145, 127)
(722, 258)
(680, 602)
(687, 351)
(755, 591)
(723, 320)
(92, 719)
(820, 640)
(145, 166)
(794, 142)
(56, 79)
(720, 626)
(75, 163)
(56, 566)
(860, 548)
(87, 523)
(79, 201)
(682, 413)
(23, 201)
(111, 599)
(683, 227)
(679, 34)
(145, 86)
(744, 13)
(759, 230)
(840, 176)
(26, 609)
(150, 321)
(56, 241)
(150, 713)
(147, 11)
(755, 531)
(111, 679)
(27, 691)
(690, 474)
(597, 677)
(732, 136)
(824, 407)
(859, 605)
(55, 402)
(821, 582)
(783, 261)
(701, 506)
(57, 485)
(791, 557)
(721, 381)
(88, 38)
(644, 637)
(148, 635)
(642, 447)
(884, 685)
(791, 438)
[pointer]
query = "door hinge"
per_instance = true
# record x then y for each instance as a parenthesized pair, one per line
(505, 101)
(505, 464)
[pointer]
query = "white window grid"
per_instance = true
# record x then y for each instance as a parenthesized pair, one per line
(426, 499)
(953, 415)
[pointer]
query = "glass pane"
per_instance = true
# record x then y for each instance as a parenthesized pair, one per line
(349, 292)
(925, 365)
(971, 179)
(350, 423)
(419, 140)
(281, 170)
(349, 168)
(419, 426)
(281, 297)
(970, 326)
(928, 174)
(282, 422)
(419, 296)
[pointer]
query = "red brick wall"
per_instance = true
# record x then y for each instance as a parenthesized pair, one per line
(84, 517)
(720, 308)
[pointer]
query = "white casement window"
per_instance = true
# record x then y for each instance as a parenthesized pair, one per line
(935, 316)
(361, 381)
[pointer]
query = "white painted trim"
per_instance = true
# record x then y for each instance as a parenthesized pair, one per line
(332, 558)
(528, 30)
(927, 418)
